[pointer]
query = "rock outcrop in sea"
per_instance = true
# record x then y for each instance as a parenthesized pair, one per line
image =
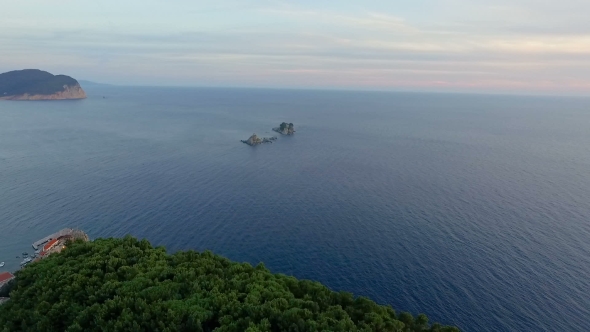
(34, 84)
(285, 129)
(255, 140)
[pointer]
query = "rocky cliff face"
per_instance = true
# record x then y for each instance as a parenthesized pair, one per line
(69, 92)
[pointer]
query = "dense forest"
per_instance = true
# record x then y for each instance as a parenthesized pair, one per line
(128, 285)
(33, 82)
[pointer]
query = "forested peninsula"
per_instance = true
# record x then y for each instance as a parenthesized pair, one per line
(34, 84)
(128, 285)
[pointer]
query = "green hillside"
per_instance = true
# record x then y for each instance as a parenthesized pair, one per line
(33, 82)
(127, 285)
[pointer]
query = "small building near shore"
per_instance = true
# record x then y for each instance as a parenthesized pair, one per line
(50, 245)
(5, 277)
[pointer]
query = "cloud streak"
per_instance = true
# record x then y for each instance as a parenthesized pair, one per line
(502, 48)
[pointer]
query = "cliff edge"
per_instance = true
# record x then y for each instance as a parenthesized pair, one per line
(34, 84)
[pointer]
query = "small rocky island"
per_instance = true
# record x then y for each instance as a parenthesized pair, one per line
(285, 129)
(34, 84)
(255, 140)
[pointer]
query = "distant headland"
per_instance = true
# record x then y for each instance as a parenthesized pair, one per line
(34, 84)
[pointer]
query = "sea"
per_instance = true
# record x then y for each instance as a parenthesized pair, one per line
(472, 209)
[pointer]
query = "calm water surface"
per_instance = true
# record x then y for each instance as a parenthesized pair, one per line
(472, 209)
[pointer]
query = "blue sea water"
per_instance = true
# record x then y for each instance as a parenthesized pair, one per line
(472, 209)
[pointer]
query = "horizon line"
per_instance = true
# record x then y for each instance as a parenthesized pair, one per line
(342, 89)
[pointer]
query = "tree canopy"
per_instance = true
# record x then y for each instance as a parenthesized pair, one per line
(128, 285)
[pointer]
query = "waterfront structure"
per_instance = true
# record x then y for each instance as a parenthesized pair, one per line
(50, 245)
(5, 277)
(64, 232)
(55, 242)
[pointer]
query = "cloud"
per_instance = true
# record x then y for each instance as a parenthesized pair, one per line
(476, 46)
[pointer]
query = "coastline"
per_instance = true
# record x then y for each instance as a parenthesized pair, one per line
(69, 93)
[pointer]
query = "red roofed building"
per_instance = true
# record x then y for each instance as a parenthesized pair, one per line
(50, 245)
(5, 277)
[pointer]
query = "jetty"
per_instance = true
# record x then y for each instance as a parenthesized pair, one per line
(54, 236)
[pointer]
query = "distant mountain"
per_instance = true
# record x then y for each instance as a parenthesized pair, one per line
(92, 83)
(34, 84)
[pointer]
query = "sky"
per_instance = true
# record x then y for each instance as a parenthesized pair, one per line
(504, 46)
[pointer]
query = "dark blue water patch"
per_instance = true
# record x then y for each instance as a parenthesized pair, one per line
(472, 209)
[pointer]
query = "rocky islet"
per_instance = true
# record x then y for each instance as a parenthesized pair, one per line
(255, 140)
(283, 129)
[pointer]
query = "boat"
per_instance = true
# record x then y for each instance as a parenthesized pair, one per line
(25, 254)
(26, 261)
(1, 264)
